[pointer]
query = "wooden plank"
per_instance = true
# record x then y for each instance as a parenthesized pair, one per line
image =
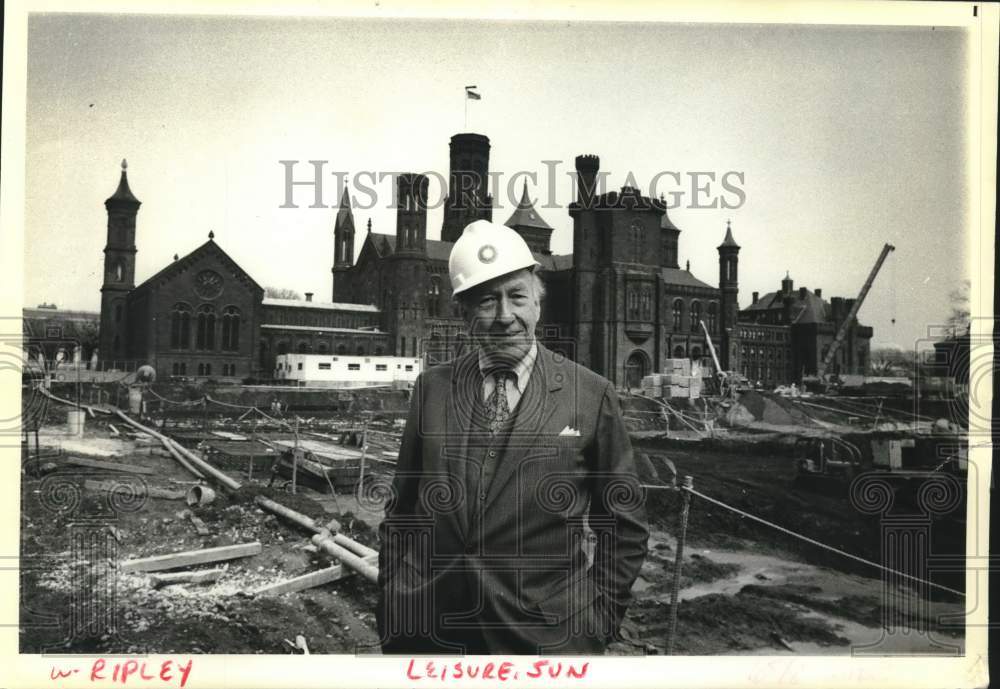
(310, 580)
(191, 557)
(205, 576)
(110, 466)
(151, 491)
(199, 525)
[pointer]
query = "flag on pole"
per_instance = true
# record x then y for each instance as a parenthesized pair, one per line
(469, 93)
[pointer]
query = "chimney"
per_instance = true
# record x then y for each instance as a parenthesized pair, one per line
(802, 293)
(756, 295)
(309, 296)
(818, 293)
(786, 309)
(836, 308)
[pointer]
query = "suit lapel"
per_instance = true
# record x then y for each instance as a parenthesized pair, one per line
(466, 388)
(533, 413)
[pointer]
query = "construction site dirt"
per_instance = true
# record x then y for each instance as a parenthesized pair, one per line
(745, 587)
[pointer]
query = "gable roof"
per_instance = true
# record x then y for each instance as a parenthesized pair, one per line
(209, 248)
(678, 276)
(385, 245)
(812, 309)
(323, 305)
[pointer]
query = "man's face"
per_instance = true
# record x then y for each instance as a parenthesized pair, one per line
(502, 315)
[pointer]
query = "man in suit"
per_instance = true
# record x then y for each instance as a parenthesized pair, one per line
(516, 523)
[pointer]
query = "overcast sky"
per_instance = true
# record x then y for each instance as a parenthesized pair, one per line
(846, 137)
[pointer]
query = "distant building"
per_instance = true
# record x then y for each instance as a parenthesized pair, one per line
(784, 336)
(60, 334)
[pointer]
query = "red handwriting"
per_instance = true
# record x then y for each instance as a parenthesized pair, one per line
(167, 671)
(501, 670)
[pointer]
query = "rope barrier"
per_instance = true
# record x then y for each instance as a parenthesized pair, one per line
(188, 403)
(818, 544)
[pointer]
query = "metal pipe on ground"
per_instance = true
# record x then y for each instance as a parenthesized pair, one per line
(309, 523)
(197, 461)
(346, 557)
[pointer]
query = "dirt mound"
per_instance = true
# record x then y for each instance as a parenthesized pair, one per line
(719, 624)
(769, 409)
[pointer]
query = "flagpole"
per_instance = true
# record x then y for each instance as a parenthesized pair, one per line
(465, 97)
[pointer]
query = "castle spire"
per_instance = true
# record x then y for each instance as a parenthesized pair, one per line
(729, 241)
(123, 194)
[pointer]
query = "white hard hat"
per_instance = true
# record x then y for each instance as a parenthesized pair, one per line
(485, 251)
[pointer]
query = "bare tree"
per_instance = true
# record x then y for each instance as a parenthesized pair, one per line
(889, 361)
(281, 293)
(959, 319)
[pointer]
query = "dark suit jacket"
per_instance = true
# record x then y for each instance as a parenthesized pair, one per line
(506, 569)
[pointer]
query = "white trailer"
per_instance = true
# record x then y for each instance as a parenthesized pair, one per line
(339, 371)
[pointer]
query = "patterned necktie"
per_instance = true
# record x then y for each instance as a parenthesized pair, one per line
(497, 407)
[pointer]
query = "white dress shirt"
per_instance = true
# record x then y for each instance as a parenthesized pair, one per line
(514, 387)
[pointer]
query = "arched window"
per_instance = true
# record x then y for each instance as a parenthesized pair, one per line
(632, 297)
(118, 313)
(434, 296)
(282, 348)
(205, 334)
(341, 349)
(636, 237)
(646, 304)
(231, 329)
(679, 352)
(379, 351)
(695, 316)
(678, 314)
(713, 315)
(262, 353)
(360, 350)
(303, 347)
(119, 272)
(322, 348)
(180, 326)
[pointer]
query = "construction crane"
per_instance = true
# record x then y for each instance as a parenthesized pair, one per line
(728, 381)
(842, 332)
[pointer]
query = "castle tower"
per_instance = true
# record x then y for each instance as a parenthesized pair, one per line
(729, 290)
(343, 249)
(411, 213)
(119, 269)
(468, 200)
(529, 224)
(407, 267)
(588, 309)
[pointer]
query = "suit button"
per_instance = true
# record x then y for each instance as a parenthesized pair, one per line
(482, 496)
(492, 453)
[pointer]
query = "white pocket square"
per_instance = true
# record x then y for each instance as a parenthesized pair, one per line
(569, 431)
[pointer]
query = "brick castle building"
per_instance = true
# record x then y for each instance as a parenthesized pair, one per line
(619, 304)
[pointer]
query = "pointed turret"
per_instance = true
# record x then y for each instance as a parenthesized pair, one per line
(526, 221)
(119, 268)
(729, 291)
(729, 241)
(343, 246)
(123, 196)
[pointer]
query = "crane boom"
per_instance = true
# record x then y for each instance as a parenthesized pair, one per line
(711, 349)
(842, 332)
